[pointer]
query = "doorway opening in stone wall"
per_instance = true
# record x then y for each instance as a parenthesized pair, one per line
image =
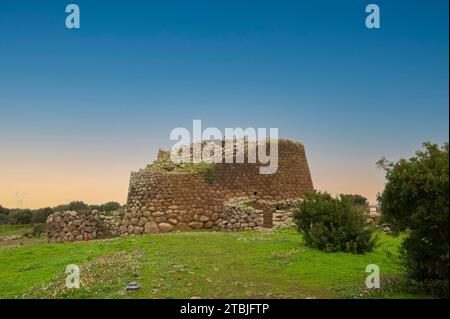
(268, 219)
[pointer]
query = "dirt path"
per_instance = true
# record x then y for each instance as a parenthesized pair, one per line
(22, 242)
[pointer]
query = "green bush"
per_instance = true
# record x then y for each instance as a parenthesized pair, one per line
(72, 206)
(358, 200)
(4, 219)
(20, 216)
(40, 215)
(4, 215)
(38, 229)
(415, 201)
(79, 206)
(209, 176)
(333, 224)
(109, 207)
(4, 210)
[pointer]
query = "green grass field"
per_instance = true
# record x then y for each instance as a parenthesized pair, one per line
(199, 264)
(8, 230)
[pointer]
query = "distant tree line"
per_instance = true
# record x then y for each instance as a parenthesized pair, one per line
(37, 216)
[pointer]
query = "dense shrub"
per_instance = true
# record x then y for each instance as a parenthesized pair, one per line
(415, 200)
(73, 206)
(333, 224)
(4, 210)
(106, 207)
(79, 206)
(20, 216)
(4, 219)
(358, 200)
(27, 216)
(40, 215)
(38, 229)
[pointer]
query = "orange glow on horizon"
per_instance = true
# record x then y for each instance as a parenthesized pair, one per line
(97, 182)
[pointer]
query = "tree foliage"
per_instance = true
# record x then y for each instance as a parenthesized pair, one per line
(415, 200)
(106, 207)
(358, 200)
(40, 215)
(20, 216)
(4, 212)
(73, 206)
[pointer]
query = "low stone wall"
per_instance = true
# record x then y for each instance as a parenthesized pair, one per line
(241, 214)
(246, 213)
(283, 219)
(112, 221)
(284, 213)
(77, 226)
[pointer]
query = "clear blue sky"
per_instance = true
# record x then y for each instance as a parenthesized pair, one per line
(108, 94)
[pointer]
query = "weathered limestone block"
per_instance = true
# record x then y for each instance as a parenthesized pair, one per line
(196, 225)
(151, 227)
(164, 227)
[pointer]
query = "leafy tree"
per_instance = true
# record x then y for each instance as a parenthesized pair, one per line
(40, 215)
(357, 200)
(20, 216)
(415, 200)
(72, 206)
(333, 224)
(4, 219)
(38, 229)
(106, 207)
(4, 210)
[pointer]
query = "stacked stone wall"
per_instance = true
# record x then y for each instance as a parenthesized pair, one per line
(78, 226)
(253, 214)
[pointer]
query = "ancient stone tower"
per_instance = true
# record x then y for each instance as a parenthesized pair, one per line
(163, 197)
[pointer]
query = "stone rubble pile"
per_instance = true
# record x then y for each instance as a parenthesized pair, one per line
(239, 214)
(10, 237)
(283, 219)
(112, 221)
(77, 226)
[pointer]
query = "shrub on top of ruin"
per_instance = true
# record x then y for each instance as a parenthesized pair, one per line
(166, 165)
(334, 224)
(209, 176)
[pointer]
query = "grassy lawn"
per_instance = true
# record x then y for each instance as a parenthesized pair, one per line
(198, 264)
(8, 230)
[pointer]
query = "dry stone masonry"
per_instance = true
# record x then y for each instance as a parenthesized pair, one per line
(241, 214)
(247, 213)
(77, 226)
(164, 196)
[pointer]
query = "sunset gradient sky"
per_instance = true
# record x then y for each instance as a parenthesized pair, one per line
(80, 109)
